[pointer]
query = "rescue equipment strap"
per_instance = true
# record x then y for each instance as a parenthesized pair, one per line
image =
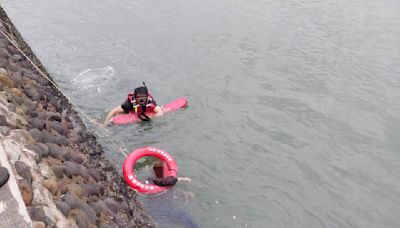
(144, 117)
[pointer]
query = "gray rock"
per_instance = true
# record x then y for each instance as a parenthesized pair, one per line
(63, 207)
(12, 66)
(36, 134)
(56, 126)
(47, 137)
(83, 172)
(41, 115)
(26, 72)
(54, 100)
(58, 171)
(37, 123)
(3, 121)
(73, 138)
(73, 156)
(28, 104)
(89, 212)
(62, 140)
(32, 93)
(71, 200)
(92, 189)
(3, 63)
(12, 50)
(26, 108)
(70, 169)
(80, 217)
(23, 170)
(32, 114)
(81, 220)
(4, 53)
(95, 174)
(67, 121)
(16, 58)
(53, 116)
(113, 205)
(40, 149)
(100, 207)
(56, 151)
(43, 147)
(37, 214)
(25, 64)
(16, 77)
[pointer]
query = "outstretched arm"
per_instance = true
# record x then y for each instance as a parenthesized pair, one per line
(116, 110)
(184, 179)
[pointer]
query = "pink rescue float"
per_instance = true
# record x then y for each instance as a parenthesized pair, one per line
(130, 176)
(132, 117)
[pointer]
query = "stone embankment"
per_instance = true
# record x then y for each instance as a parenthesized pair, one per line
(60, 169)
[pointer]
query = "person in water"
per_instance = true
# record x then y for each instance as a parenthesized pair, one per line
(138, 102)
(165, 208)
(165, 181)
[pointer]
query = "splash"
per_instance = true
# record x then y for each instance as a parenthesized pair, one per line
(94, 81)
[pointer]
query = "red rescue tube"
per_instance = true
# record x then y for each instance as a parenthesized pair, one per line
(130, 176)
(132, 117)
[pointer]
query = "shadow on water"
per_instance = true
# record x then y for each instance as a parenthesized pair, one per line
(168, 208)
(167, 212)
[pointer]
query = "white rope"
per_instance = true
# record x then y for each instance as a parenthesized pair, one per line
(14, 43)
(10, 38)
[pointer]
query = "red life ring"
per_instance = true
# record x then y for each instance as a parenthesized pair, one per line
(130, 176)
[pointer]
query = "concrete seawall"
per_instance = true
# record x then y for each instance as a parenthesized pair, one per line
(59, 175)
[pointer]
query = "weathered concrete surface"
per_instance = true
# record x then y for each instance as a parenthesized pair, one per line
(13, 212)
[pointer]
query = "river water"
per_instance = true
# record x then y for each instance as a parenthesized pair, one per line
(293, 117)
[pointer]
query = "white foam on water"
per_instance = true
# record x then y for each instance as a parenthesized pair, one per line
(93, 81)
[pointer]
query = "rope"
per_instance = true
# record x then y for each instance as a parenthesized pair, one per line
(11, 39)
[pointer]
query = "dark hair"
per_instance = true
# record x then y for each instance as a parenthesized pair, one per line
(141, 92)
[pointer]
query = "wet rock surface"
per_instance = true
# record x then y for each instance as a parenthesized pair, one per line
(64, 178)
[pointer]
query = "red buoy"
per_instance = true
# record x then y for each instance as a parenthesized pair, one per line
(130, 176)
